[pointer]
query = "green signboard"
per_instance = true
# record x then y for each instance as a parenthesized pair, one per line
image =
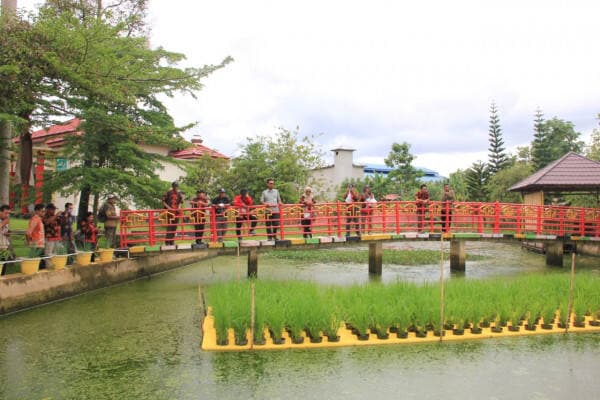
(61, 164)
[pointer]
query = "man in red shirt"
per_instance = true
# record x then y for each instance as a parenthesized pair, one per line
(51, 230)
(172, 201)
(243, 203)
(422, 198)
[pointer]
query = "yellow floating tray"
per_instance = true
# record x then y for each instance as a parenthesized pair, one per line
(375, 237)
(347, 338)
(137, 249)
(297, 240)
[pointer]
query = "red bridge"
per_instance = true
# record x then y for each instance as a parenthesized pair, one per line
(399, 219)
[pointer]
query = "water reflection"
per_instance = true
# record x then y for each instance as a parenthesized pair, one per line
(142, 340)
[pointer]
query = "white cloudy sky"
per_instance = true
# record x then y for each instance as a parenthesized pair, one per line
(365, 74)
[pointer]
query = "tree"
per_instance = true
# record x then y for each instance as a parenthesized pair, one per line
(286, 157)
(112, 80)
(499, 183)
(593, 151)
(498, 159)
(553, 139)
(539, 145)
(477, 178)
(206, 173)
(403, 174)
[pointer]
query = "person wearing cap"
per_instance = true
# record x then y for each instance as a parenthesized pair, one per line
(65, 220)
(271, 198)
(220, 204)
(368, 203)
(243, 203)
(172, 201)
(201, 203)
(307, 201)
(51, 230)
(111, 219)
(5, 246)
(351, 198)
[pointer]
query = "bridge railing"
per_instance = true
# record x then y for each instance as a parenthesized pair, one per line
(152, 227)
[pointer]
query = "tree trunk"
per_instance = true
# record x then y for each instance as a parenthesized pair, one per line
(5, 136)
(9, 8)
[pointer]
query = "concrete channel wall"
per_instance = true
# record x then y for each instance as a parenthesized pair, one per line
(24, 291)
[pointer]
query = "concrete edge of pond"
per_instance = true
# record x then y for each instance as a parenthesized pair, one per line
(21, 292)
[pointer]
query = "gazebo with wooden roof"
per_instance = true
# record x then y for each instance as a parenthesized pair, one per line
(572, 173)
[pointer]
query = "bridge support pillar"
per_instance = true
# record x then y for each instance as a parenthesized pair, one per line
(554, 254)
(252, 263)
(457, 255)
(375, 258)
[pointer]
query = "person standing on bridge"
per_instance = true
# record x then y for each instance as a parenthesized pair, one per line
(172, 201)
(271, 198)
(243, 203)
(198, 216)
(447, 199)
(422, 198)
(308, 201)
(352, 199)
(220, 204)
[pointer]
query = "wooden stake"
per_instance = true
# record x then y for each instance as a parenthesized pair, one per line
(441, 287)
(571, 285)
(252, 316)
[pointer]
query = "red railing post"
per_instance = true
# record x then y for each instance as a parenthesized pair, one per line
(213, 225)
(582, 222)
(538, 223)
(123, 237)
(479, 219)
(561, 222)
(151, 229)
(281, 222)
(397, 217)
(339, 219)
(519, 221)
(497, 218)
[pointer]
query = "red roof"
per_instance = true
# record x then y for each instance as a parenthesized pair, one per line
(570, 172)
(68, 127)
(196, 151)
(53, 137)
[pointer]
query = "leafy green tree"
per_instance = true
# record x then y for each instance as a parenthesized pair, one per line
(458, 183)
(403, 174)
(477, 178)
(286, 157)
(113, 81)
(206, 173)
(498, 158)
(593, 151)
(499, 183)
(553, 139)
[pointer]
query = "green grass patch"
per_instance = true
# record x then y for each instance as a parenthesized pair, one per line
(398, 257)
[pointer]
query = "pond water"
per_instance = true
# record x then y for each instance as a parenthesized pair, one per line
(141, 340)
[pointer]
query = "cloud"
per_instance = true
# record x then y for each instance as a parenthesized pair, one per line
(367, 74)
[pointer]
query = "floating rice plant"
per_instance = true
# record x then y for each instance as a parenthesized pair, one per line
(401, 307)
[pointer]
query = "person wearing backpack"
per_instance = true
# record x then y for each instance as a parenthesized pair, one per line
(108, 215)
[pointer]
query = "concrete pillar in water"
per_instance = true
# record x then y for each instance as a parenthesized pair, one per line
(375, 258)
(252, 263)
(554, 254)
(457, 255)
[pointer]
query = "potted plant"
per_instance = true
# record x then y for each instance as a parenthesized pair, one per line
(31, 264)
(84, 255)
(105, 255)
(59, 259)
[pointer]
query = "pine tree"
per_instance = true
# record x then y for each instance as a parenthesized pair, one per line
(477, 178)
(539, 146)
(498, 159)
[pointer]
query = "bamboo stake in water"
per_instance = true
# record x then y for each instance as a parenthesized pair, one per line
(252, 316)
(441, 287)
(571, 285)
